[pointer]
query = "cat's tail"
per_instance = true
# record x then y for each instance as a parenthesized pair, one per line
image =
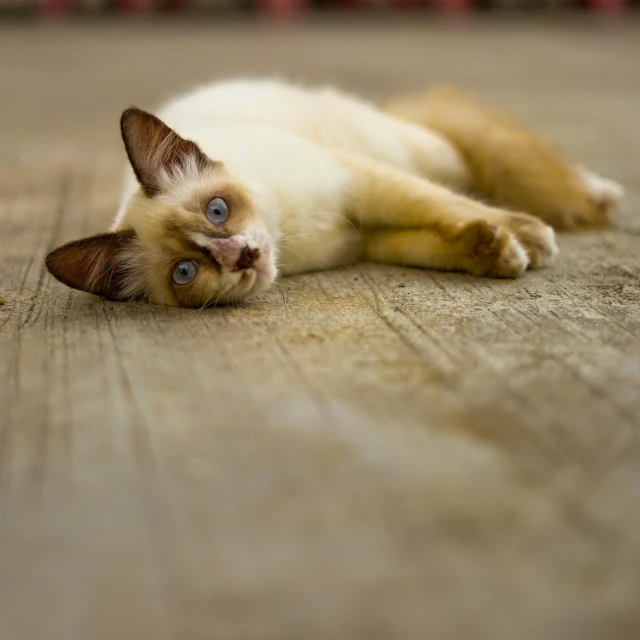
(512, 167)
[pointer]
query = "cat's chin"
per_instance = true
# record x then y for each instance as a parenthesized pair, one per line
(252, 283)
(260, 281)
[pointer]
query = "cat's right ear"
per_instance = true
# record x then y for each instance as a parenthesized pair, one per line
(156, 151)
(98, 264)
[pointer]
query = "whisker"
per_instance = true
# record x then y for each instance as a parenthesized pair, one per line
(207, 302)
(298, 235)
(323, 213)
(296, 253)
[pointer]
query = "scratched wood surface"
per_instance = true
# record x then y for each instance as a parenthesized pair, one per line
(372, 453)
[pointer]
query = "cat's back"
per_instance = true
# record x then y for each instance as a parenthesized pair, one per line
(323, 115)
(249, 102)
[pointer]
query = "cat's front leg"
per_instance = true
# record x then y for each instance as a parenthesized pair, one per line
(477, 247)
(407, 220)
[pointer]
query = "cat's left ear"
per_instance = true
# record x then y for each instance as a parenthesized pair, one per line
(98, 264)
(155, 150)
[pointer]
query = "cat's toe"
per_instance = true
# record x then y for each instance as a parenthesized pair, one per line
(537, 238)
(492, 250)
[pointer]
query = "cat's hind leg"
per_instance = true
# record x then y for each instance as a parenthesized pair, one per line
(511, 167)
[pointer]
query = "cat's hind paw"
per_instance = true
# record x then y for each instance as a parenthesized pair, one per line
(605, 194)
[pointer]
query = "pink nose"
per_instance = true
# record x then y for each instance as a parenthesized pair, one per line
(247, 258)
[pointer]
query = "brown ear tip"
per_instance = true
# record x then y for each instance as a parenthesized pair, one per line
(128, 112)
(58, 263)
(131, 112)
(51, 260)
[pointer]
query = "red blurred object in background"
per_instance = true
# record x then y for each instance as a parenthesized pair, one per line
(607, 5)
(55, 7)
(282, 8)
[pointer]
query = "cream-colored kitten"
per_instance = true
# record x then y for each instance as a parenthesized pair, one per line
(240, 181)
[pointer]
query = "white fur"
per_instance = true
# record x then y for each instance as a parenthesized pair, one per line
(606, 192)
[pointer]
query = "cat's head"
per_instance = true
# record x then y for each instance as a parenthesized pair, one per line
(191, 235)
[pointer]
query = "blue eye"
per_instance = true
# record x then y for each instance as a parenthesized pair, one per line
(217, 211)
(185, 271)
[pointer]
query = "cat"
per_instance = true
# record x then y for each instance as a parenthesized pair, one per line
(238, 182)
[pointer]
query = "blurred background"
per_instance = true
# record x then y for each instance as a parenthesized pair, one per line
(288, 8)
(371, 453)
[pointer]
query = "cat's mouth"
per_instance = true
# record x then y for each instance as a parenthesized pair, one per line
(252, 280)
(244, 283)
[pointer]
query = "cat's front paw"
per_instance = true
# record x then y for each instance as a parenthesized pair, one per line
(491, 250)
(537, 238)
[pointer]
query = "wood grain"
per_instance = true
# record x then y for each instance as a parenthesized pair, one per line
(374, 452)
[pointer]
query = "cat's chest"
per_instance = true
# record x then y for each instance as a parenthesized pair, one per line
(307, 183)
(322, 239)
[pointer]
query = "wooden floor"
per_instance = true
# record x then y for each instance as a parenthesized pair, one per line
(374, 453)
